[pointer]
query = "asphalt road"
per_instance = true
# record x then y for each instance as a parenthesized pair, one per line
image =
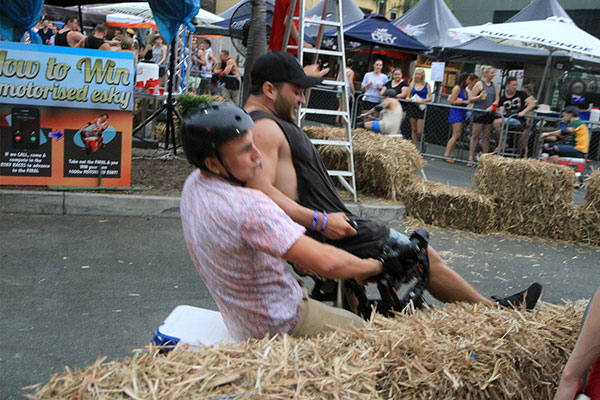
(75, 288)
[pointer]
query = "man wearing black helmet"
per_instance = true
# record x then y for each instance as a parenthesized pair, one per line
(572, 141)
(294, 176)
(238, 238)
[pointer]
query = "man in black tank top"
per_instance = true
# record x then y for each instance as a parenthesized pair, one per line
(294, 176)
(69, 36)
(96, 40)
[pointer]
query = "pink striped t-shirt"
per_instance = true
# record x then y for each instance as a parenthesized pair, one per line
(236, 237)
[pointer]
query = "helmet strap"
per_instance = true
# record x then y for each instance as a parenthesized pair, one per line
(230, 177)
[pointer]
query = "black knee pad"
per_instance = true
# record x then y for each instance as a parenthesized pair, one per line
(552, 150)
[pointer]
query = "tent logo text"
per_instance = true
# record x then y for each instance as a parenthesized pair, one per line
(382, 35)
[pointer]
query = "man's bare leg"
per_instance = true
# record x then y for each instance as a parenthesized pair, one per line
(447, 286)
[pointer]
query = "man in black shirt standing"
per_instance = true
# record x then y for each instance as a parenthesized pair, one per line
(513, 102)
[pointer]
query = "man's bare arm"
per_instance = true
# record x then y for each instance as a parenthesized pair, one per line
(531, 103)
(269, 139)
(294, 31)
(330, 261)
(74, 37)
(228, 67)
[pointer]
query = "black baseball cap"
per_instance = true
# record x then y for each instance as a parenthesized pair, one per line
(281, 67)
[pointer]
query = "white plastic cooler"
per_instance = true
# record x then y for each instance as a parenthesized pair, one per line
(145, 71)
(192, 326)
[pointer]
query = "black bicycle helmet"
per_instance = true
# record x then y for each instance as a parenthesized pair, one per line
(572, 110)
(390, 93)
(204, 130)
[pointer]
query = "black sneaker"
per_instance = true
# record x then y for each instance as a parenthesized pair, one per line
(530, 296)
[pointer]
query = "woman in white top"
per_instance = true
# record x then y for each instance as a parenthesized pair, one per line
(372, 84)
(349, 88)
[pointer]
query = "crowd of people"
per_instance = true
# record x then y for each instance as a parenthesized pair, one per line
(210, 74)
(475, 101)
(70, 35)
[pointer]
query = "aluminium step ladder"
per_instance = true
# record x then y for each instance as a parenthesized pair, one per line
(345, 177)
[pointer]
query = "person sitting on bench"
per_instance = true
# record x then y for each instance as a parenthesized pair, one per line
(572, 141)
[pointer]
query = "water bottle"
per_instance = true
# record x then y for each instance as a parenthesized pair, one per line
(595, 114)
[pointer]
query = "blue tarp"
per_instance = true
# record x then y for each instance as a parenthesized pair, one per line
(169, 15)
(376, 30)
(18, 17)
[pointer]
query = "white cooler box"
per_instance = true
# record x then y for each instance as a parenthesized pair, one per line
(145, 71)
(193, 326)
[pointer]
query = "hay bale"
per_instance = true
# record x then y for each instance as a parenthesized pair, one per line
(592, 195)
(384, 166)
(473, 352)
(458, 352)
(589, 227)
(525, 180)
(554, 221)
(450, 206)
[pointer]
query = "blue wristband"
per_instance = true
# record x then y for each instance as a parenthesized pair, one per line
(324, 224)
(315, 219)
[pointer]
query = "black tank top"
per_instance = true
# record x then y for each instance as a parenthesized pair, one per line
(92, 42)
(317, 191)
(60, 39)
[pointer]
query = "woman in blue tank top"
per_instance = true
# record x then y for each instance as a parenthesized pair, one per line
(458, 115)
(418, 92)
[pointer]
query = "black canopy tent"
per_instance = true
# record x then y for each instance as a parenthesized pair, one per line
(58, 12)
(76, 8)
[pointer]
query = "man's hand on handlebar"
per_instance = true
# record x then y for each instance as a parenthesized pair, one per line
(338, 226)
(364, 280)
(391, 256)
